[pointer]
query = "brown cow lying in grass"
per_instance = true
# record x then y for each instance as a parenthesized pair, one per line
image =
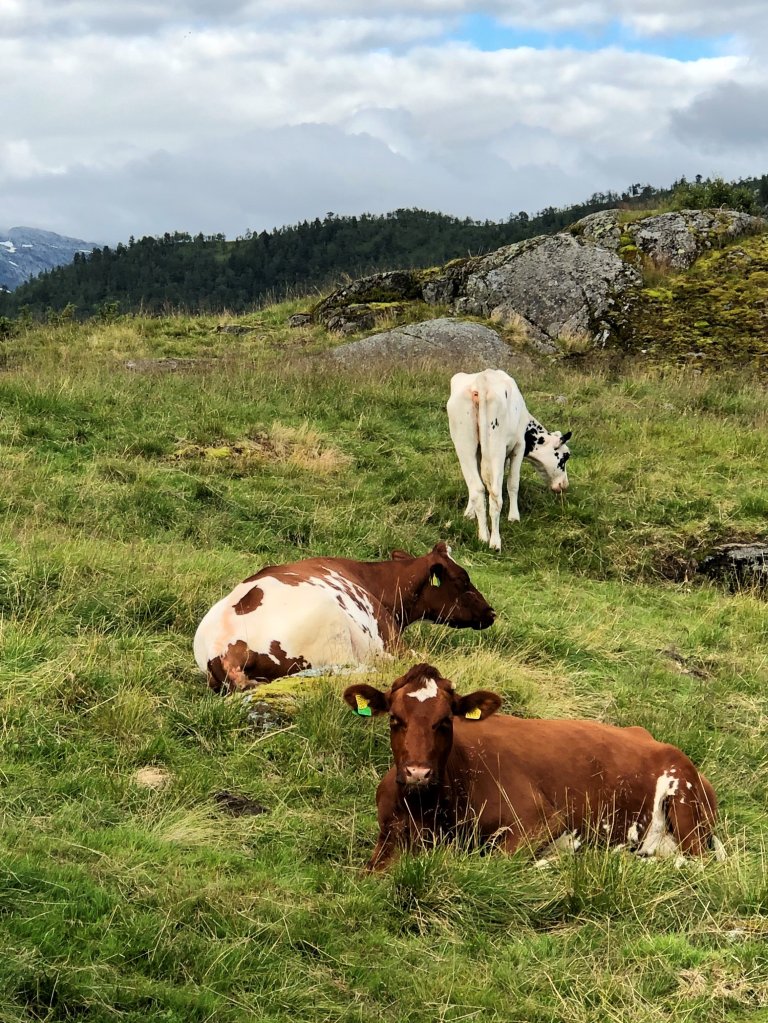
(513, 781)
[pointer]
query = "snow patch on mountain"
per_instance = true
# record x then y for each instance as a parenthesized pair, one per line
(34, 252)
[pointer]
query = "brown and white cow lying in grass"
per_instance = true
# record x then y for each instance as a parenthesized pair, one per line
(517, 782)
(324, 612)
(490, 427)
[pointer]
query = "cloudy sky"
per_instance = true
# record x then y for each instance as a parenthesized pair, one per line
(144, 116)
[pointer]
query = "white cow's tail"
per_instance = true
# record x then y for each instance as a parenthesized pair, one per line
(480, 401)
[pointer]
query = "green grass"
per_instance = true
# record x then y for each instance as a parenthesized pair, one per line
(132, 498)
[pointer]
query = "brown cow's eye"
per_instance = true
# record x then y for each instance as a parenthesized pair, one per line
(443, 725)
(395, 723)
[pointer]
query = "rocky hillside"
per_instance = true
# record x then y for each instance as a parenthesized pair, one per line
(26, 252)
(692, 283)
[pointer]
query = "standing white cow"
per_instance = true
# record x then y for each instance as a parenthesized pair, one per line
(490, 424)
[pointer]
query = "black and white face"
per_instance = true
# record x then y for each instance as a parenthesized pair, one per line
(549, 454)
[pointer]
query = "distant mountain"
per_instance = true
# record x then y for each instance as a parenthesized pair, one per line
(26, 252)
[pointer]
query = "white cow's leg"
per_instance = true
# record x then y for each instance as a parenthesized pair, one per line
(465, 441)
(513, 482)
(495, 486)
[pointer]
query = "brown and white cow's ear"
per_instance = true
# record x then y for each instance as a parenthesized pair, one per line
(441, 547)
(366, 701)
(401, 556)
(476, 706)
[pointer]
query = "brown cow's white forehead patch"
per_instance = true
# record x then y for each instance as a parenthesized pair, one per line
(427, 692)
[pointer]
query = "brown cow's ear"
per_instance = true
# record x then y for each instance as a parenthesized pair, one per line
(441, 547)
(366, 701)
(401, 556)
(476, 706)
(436, 574)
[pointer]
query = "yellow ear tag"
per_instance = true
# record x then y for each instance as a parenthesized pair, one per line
(474, 715)
(363, 706)
(435, 579)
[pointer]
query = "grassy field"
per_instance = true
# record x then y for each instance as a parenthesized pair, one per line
(135, 492)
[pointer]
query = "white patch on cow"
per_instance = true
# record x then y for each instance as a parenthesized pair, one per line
(569, 843)
(719, 849)
(427, 692)
(323, 620)
(689, 785)
(633, 834)
(657, 837)
(667, 847)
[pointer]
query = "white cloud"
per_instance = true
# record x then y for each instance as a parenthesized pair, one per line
(221, 116)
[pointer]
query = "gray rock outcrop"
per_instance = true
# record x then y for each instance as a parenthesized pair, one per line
(468, 345)
(578, 284)
(559, 285)
(739, 565)
(674, 240)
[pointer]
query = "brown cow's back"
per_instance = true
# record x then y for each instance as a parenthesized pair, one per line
(533, 780)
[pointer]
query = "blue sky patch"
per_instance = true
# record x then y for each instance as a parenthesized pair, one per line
(486, 33)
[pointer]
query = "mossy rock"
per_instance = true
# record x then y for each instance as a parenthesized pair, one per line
(716, 312)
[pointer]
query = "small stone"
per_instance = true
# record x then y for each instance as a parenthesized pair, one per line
(151, 777)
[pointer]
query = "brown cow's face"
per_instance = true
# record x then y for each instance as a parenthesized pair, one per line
(447, 596)
(422, 706)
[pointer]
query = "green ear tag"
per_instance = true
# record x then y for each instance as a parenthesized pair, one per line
(363, 706)
(474, 714)
(435, 579)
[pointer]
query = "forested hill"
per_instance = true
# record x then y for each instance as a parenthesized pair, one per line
(209, 274)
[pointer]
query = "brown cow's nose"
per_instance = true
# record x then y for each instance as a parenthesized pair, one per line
(417, 775)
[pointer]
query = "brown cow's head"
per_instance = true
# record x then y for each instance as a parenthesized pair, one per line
(446, 595)
(421, 705)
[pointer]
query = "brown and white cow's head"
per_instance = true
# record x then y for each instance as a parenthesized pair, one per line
(548, 452)
(422, 706)
(443, 592)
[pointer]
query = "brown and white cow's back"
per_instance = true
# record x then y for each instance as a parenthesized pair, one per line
(323, 612)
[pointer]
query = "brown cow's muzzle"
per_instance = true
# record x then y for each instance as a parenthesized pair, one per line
(414, 777)
(487, 619)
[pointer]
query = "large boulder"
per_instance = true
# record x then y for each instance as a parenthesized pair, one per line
(558, 285)
(673, 240)
(357, 305)
(468, 346)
